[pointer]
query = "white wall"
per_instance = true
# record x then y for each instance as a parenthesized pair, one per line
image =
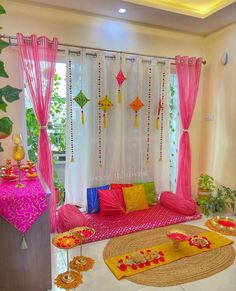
(218, 137)
(95, 31)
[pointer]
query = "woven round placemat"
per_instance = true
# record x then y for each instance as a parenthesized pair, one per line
(182, 271)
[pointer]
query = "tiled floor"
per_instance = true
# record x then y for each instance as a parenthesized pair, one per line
(101, 279)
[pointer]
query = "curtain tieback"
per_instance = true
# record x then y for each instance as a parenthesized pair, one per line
(43, 127)
(185, 130)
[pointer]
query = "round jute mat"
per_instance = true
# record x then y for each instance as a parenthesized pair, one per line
(182, 271)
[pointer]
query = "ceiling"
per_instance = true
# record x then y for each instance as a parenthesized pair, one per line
(194, 16)
(196, 8)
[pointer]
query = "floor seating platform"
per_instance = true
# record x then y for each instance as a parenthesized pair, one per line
(117, 225)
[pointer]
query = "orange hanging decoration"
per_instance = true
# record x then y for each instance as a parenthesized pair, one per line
(136, 105)
(105, 104)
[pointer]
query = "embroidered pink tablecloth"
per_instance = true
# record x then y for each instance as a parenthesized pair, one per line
(21, 207)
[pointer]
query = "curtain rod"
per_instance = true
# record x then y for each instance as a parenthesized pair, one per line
(11, 37)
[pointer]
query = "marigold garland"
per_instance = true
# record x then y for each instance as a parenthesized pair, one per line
(149, 113)
(99, 118)
(162, 115)
(78, 279)
(71, 111)
(80, 267)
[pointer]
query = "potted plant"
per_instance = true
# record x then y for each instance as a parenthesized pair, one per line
(59, 189)
(223, 198)
(8, 94)
(206, 186)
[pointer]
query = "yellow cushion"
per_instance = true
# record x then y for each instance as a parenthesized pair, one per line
(135, 198)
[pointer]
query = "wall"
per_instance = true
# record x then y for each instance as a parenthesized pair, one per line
(95, 31)
(218, 137)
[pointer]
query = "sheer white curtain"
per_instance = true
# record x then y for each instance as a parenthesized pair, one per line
(123, 147)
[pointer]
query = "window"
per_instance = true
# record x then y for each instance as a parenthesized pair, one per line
(174, 130)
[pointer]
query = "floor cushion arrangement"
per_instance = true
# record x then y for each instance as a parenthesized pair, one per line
(135, 198)
(149, 188)
(92, 198)
(119, 209)
(69, 217)
(175, 203)
(111, 202)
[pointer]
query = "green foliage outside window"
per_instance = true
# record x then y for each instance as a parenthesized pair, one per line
(56, 125)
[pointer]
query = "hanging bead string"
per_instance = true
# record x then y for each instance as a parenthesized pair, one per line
(99, 118)
(149, 112)
(82, 69)
(71, 111)
(162, 115)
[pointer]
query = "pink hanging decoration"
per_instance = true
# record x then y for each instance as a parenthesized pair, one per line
(120, 79)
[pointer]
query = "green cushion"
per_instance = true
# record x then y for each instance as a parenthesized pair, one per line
(149, 188)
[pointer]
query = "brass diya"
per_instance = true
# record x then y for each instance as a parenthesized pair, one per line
(177, 236)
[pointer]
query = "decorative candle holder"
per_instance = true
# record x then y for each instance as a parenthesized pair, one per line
(18, 154)
(66, 241)
(224, 225)
(82, 263)
(177, 237)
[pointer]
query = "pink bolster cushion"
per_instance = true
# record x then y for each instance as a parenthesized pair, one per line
(69, 217)
(178, 204)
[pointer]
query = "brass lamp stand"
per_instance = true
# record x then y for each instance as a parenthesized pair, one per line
(18, 154)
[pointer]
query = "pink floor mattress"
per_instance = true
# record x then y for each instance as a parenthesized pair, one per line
(116, 225)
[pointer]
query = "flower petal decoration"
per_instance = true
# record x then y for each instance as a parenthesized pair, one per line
(105, 104)
(81, 100)
(136, 105)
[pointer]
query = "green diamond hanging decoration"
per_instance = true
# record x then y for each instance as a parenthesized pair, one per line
(81, 100)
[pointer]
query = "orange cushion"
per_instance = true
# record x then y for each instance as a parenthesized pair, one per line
(135, 198)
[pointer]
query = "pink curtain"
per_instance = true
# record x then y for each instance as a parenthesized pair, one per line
(188, 72)
(38, 57)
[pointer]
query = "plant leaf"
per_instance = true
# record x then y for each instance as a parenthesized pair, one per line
(2, 71)
(1, 148)
(11, 94)
(3, 45)
(2, 10)
(6, 125)
(3, 105)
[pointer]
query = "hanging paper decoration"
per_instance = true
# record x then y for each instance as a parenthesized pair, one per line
(82, 100)
(70, 111)
(105, 104)
(162, 114)
(136, 105)
(99, 118)
(149, 112)
(120, 79)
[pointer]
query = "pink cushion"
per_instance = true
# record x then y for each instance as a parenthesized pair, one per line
(120, 186)
(178, 204)
(111, 202)
(69, 217)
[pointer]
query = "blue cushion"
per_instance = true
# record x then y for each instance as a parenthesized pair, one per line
(92, 198)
